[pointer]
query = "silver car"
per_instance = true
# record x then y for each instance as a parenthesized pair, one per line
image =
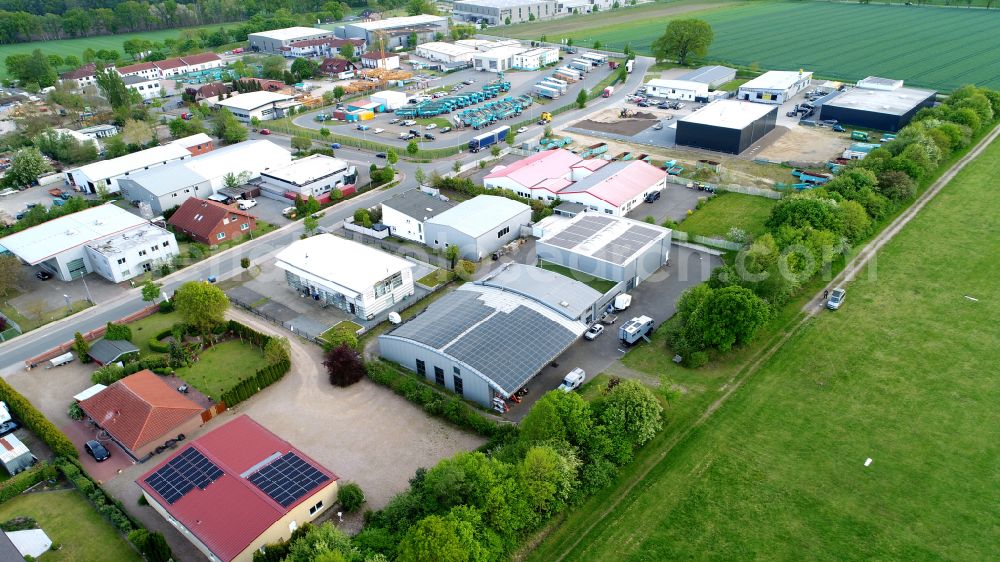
(836, 299)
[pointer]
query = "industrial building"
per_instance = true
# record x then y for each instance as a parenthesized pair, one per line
(262, 105)
(499, 59)
(486, 340)
(614, 248)
(316, 176)
(406, 213)
(375, 59)
(147, 88)
(449, 53)
(395, 32)
(586, 6)
(677, 89)
(389, 99)
(125, 245)
(166, 187)
(104, 174)
(613, 188)
(141, 413)
(237, 489)
(727, 126)
(877, 103)
(479, 226)
(774, 86)
(355, 278)
(503, 12)
(712, 76)
(273, 41)
(534, 59)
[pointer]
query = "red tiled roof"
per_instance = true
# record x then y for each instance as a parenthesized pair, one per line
(375, 55)
(201, 217)
(137, 67)
(82, 72)
(336, 65)
(230, 513)
(200, 58)
(169, 64)
(140, 409)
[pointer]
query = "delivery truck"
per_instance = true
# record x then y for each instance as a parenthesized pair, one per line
(488, 139)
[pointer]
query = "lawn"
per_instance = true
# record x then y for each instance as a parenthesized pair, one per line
(439, 121)
(71, 522)
(221, 366)
(143, 330)
(931, 47)
(900, 374)
(600, 285)
(342, 325)
(436, 277)
(727, 210)
(29, 320)
(65, 47)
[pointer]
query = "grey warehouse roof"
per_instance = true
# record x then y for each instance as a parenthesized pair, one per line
(611, 239)
(707, 74)
(419, 205)
(893, 102)
(479, 215)
(503, 337)
(568, 297)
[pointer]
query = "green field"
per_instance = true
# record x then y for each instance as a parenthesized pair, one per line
(901, 374)
(71, 523)
(214, 372)
(64, 47)
(933, 47)
(726, 210)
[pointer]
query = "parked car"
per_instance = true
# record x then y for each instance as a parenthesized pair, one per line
(428, 136)
(335, 146)
(658, 126)
(431, 126)
(838, 128)
(445, 129)
(644, 103)
(363, 127)
(404, 135)
(573, 380)
(593, 332)
(836, 298)
(43, 275)
(394, 120)
(290, 212)
(522, 130)
(245, 204)
(652, 196)
(96, 450)
(381, 155)
(377, 131)
(265, 131)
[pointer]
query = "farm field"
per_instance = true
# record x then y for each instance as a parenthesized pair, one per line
(900, 374)
(64, 47)
(933, 47)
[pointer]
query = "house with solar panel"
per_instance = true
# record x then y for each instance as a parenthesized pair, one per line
(237, 488)
(487, 339)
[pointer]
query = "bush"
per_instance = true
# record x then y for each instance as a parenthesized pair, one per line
(20, 482)
(166, 307)
(344, 366)
(696, 359)
(18, 524)
(74, 411)
(351, 497)
(157, 346)
(118, 332)
(108, 374)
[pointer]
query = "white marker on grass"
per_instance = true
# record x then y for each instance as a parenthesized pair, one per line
(868, 461)
(973, 299)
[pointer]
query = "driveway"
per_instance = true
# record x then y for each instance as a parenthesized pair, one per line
(656, 297)
(674, 202)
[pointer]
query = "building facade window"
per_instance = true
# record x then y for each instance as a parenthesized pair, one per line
(220, 235)
(142, 252)
(315, 508)
(121, 261)
(459, 388)
(439, 375)
(503, 231)
(245, 226)
(421, 368)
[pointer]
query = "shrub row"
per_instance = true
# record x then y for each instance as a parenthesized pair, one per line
(435, 403)
(23, 410)
(248, 334)
(260, 380)
(18, 483)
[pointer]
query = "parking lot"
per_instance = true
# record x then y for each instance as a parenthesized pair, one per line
(521, 84)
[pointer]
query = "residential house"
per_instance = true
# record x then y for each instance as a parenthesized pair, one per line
(210, 222)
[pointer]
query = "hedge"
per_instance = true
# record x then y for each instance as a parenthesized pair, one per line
(23, 410)
(264, 377)
(110, 508)
(20, 482)
(437, 404)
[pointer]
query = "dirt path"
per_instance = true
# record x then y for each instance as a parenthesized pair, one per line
(810, 310)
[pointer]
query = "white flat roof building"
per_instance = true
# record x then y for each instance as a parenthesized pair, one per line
(478, 226)
(273, 41)
(395, 23)
(90, 177)
(774, 86)
(200, 139)
(354, 277)
(314, 175)
(677, 89)
(39, 243)
(391, 99)
(445, 52)
(497, 60)
(262, 105)
(136, 251)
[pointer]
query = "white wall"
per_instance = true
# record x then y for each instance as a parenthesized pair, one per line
(403, 225)
(156, 251)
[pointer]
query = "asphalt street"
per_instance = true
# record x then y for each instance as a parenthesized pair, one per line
(13, 353)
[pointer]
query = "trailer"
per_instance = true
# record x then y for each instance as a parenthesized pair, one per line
(487, 140)
(547, 92)
(635, 329)
(594, 150)
(567, 74)
(554, 80)
(560, 85)
(583, 65)
(622, 156)
(674, 170)
(595, 58)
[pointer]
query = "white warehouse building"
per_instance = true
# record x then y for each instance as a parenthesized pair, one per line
(479, 226)
(104, 174)
(262, 105)
(449, 53)
(272, 41)
(107, 239)
(406, 213)
(499, 59)
(775, 86)
(676, 89)
(314, 175)
(355, 278)
(535, 59)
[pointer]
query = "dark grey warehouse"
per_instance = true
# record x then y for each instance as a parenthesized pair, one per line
(727, 125)
(878, 103)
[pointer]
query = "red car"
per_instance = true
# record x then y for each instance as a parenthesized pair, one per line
(265, 131)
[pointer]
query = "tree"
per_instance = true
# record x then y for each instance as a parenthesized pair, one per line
(351, 497)
(136, 132)
(442, 539)
(581, 99)
(233, 181)
(245, 262)
(150, 291)
(419, 175)
(10, 274)
(631, 410)
(304, 69)
(35, 68)
(255, 122)
(81, 347)
(391, 157)
(72, 61)
(728, 316)
(339, 337)
(452, 252)
(321, 543)
(228, 128)
(896, 185)
(597, 44)
(456, 166)
(682, 39)
(548, 478)
(113, 89)
(301, 144)
(417, 7)
(412, 148)
(856, 222)
(309, 225)
(324, 132)
(180, 128)
(344, 366)
(277, 349)
(339, 92)
(25, 167)
(201, 305)
(347, 51)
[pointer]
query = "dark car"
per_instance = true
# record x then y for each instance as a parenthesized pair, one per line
(381, 155)
(43, 275)
(9, 426)
(652, 196)
(644, 104)
(428, 136)
(96, 450)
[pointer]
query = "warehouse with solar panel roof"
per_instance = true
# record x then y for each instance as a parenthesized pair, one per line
(237, 488)
(487, 339)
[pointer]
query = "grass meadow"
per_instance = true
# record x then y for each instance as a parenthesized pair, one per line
(904, 373)
(928, 46)
(727, 210)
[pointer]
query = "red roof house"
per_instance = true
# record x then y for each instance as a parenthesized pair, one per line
(210, 222)
(141, 412)
(237, 488)
(337, 67)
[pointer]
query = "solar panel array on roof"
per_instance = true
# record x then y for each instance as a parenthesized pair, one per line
(182, 474)
(287, 479)
(446, 320)
(625, 246)
(488, 348)
(578, 233)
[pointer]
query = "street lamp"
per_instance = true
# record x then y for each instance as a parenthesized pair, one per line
(68, 307)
